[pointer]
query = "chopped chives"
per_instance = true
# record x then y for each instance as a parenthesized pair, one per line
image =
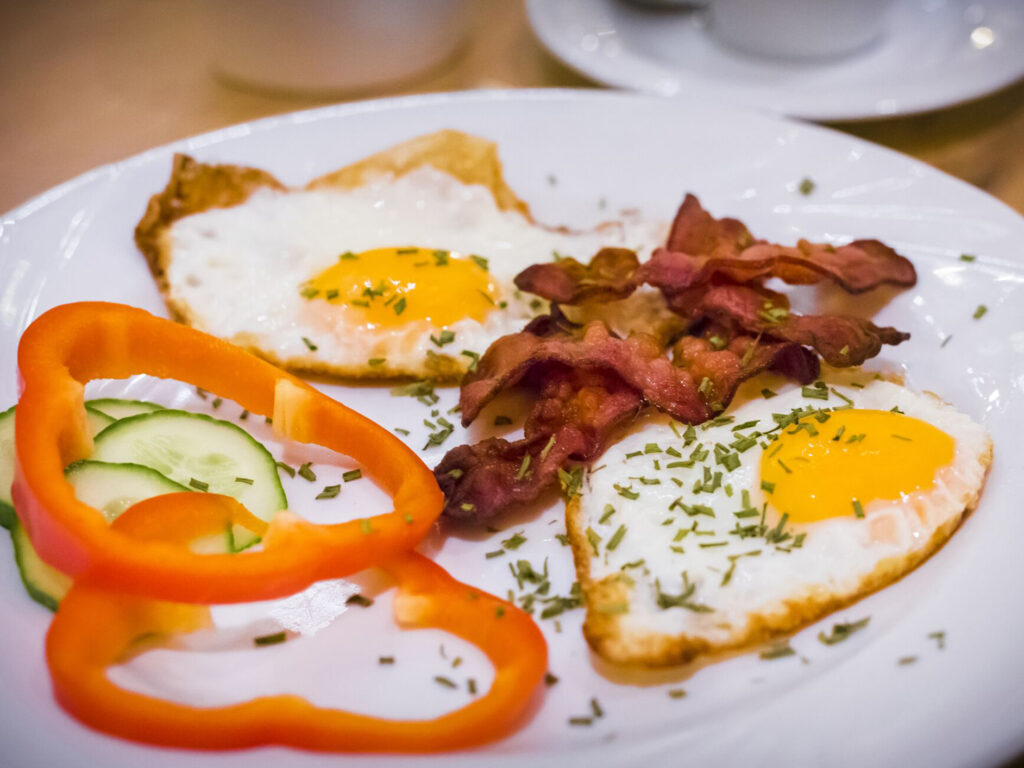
(274, 639)
(617, 537)
(385, 659)
(306, 473)
(289, 470)
(778, 652)
(352, 474)
(980, 312)
(312, 347)
(858, 509)
(329, 492)
(199, 485)
(246, 480)
(547, 448)
(515, 541)
(441, 680)
(446, 337)
(523, 467)
(842, 631)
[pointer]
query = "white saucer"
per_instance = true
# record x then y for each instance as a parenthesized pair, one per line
(935, 53)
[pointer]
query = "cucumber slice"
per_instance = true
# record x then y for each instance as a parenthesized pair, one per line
(112, 488)
(117, 408)
(7, 516)
(44, 583)
(97, 420)
(199, 452)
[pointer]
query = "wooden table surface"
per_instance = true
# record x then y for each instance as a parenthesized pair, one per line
(87, 82)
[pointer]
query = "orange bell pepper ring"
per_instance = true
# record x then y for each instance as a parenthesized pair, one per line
(93, 629)
(74, 343)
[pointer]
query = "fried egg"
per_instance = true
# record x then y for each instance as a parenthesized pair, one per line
(695, 540)
(402, 274)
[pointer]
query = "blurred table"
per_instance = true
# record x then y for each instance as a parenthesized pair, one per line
(86, 82)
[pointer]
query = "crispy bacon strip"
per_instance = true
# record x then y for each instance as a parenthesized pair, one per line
(607, 277)
(724, 247)
(841, 340)
(639, 361)
(721, 369)
(571, 422)
(702, 249)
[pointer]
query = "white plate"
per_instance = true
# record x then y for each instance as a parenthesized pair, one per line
(934, 53)
(852, 704)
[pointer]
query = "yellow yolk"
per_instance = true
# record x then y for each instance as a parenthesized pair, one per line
(836, 468)
(394, 286)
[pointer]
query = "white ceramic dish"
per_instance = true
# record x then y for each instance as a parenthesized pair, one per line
(565, 151)
(933, 53)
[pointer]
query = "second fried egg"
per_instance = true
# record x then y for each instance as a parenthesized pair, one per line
(702, 539)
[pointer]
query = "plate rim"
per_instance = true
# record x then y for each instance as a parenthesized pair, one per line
(482, 95)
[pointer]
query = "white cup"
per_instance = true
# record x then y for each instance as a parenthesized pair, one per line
(317, 46)
(798, 29)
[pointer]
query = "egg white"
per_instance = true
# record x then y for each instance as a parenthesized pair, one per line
(237, 272)
(783, 586)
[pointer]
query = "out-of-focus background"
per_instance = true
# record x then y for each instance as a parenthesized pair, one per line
(86, 82)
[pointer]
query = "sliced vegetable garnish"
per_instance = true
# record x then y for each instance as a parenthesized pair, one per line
(79, 656)
(74, 343)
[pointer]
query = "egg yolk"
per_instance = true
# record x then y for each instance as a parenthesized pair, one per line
(817, 470)
(394, 286)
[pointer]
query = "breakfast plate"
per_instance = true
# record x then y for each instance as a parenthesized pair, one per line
(933, 677)
(934, 53)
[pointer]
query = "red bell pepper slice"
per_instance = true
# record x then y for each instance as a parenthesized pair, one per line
(74, 343)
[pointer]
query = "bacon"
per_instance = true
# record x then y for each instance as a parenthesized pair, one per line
(841, 340)
(702, 249)
(607, 277)
(638, 360)
(571, 421)
(589, 382)
(722, 367)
